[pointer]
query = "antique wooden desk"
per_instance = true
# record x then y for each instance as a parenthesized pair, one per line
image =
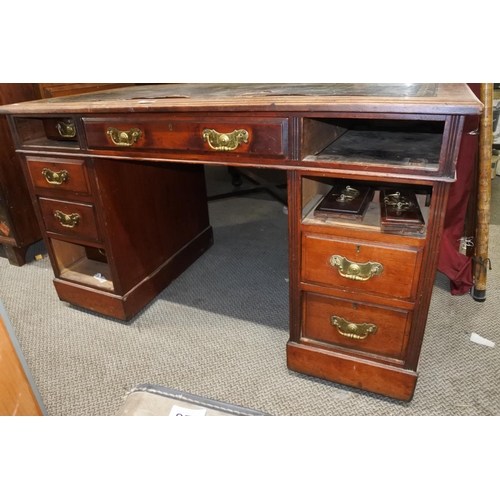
(117, 181)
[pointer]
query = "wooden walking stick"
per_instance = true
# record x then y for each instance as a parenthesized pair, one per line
(481, 261)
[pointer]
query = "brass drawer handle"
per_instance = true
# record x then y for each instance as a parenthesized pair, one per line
(353, 330)
(66, 220)
(348, 194)
(66, 130)
(224, 142)
(124, 138)
(400, 203)
(355, 271)
(56, 178)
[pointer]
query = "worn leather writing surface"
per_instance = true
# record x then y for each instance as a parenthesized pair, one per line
(264, 89)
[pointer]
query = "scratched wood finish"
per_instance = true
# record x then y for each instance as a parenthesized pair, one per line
(16, 394)
(400, 265)
(445, 98)
(151, 209)
(136, 200)
(352, 371)
(266, 138)
(48, 90)
(85, 228)
(392, 325)
(77, 180)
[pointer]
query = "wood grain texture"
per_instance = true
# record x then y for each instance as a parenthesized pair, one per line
(348, 370)
(484, 191)
(85, 229)
(266, 137)
(48, 90)
(126, 306)
(16, 210)
(76, 184)
(151, 208)
(392, 325)
(16, 394)
(266, 97)
(150, 213)
(399, 264)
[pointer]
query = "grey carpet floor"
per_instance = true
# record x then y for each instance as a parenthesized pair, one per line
(220, 330)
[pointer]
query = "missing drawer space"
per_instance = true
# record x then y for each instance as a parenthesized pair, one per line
(82, 264)
(415, 144)
(47, 132)
(314, 192)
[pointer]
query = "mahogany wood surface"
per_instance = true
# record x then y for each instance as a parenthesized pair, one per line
(150, 207)
(85, 229)
(392, 325)
(151, 211)
(126, 306)
(77, 182)
(16, 394)
(16, 209)
(443, 98)
(352, 371)
(48, 90)
(18, 225)
(266, 138)
(397, 278)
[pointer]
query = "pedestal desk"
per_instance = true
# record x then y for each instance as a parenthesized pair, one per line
(117, 182)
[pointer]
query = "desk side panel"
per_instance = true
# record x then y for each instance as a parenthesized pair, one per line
(150, 212)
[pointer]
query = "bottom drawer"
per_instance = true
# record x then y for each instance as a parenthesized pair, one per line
(355, 325)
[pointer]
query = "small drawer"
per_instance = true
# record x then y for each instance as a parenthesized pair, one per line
(47, 133)
(360, 266)
(71, 219)
(59, 175)
(266, 138)
(358, 326)
(60, 129)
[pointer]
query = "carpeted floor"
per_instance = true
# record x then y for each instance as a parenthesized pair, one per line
(219, 331)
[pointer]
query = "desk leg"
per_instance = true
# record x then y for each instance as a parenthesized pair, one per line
(294, 216)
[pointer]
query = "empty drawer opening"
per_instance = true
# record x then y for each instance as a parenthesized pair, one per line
(47, 132)
(415, 144)
(372, 214)
(82, 264)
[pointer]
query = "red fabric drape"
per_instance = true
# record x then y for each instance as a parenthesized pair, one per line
(456, 266)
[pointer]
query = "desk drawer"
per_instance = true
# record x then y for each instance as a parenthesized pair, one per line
(71, 219)
(59, 175)
(360, 266)
(358, 326)
(235, 136)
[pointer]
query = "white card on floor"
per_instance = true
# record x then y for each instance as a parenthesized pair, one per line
(179, 411)
(480, 340)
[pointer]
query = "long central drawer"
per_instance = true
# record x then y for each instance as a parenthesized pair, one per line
(266, 137)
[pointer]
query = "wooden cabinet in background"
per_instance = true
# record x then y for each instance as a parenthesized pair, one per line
(18, 224)
(48, 90)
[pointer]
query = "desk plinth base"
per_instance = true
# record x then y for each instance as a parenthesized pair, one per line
(360, 373)
(126, 306)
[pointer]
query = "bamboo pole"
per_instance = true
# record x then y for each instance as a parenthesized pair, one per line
(481, 260)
